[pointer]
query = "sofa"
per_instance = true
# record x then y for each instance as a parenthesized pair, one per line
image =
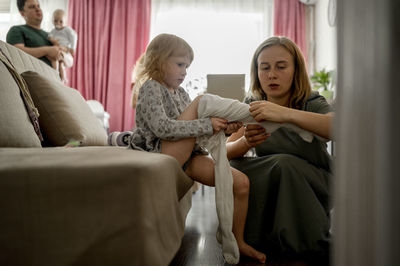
(71, 199)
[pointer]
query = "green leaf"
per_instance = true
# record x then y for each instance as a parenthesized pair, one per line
(322, 79)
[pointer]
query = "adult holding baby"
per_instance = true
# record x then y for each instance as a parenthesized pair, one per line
(30, 37)
(289, 201)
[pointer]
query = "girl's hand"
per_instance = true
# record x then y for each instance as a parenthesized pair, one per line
(254, 134)
(265, 110)
(218, 124)
(233, 127)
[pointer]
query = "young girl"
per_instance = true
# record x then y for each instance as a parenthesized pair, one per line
(167, 122)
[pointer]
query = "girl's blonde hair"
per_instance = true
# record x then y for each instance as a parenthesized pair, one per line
(300, 89)
(153, 63)
(135, 81)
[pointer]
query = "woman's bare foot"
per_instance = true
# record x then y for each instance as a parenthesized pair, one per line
(249, 251)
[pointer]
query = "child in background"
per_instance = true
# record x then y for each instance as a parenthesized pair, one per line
(167, 122)
(66, 38)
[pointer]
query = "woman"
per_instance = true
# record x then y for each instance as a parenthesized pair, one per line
(289, 199)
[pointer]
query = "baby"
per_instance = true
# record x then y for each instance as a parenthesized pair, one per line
(66, 38)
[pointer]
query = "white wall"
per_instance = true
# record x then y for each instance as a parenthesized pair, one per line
(325, 38)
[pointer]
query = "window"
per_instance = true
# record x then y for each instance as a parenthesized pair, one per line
(4, 25)
(223, 40)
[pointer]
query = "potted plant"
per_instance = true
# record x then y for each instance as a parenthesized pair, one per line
(322, 81)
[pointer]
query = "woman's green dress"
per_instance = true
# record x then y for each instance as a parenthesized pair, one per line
(289, 201)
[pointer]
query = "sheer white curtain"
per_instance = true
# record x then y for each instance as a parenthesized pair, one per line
(48, 6)
(223, 33)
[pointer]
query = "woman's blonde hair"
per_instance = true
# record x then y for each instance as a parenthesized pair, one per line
(153, 63)
(300, 89)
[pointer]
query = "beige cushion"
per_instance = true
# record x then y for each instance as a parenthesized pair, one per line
(16, 129)
(64, 113)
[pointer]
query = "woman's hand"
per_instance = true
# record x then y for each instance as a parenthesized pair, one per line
(233, 127)
(319, 124)
(254, 134)
(265, 110)
(218, 124)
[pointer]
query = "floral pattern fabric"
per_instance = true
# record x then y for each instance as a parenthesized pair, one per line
(157, 112)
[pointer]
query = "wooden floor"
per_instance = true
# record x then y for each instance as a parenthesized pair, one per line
(199, 244)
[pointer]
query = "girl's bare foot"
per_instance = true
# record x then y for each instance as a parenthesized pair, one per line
(249, 251)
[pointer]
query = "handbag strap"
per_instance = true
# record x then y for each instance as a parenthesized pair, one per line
(25, 95)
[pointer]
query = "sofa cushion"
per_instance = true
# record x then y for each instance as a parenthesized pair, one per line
(25, 62)
(15, 126)
(64, 113)
(91, 206)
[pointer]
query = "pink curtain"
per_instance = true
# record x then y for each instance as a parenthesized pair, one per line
(111, 36)
(290, 21)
